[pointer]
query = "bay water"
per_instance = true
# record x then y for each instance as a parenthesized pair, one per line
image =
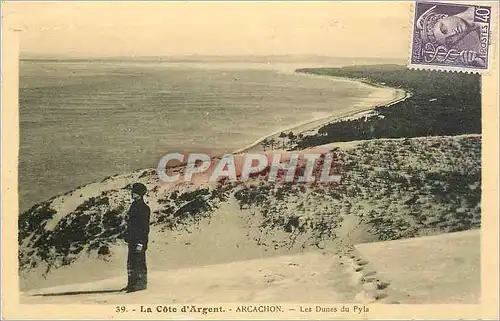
(86, 120)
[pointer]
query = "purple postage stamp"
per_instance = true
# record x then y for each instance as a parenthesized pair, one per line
(447, 35)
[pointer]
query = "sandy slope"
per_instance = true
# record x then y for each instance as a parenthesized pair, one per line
(214, 259)
(366, 273)
(444, 268)
(305, 277)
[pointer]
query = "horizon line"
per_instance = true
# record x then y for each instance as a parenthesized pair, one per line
(34, 56)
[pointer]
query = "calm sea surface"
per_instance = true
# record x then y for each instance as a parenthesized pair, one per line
(81, 122)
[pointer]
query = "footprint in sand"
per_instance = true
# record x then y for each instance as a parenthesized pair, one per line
(368, 279)
(274, 278)
(380, 296)
(383, 285)
(362, 262)
(371, 296)
(375, 285)
(365, 273)
(370, 287)
(369, 273)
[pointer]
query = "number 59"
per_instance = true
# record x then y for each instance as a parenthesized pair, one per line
(120, 309)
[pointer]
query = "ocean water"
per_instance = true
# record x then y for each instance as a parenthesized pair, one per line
(83, 121)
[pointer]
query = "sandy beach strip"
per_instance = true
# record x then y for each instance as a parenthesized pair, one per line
(382, 96)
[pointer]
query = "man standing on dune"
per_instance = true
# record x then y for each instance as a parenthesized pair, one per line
(137, 237)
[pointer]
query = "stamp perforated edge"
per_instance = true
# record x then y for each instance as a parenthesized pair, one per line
(492, 46)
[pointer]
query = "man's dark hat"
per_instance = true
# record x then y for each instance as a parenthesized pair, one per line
(139, 188)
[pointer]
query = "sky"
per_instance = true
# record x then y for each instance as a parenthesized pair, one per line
(337, 29)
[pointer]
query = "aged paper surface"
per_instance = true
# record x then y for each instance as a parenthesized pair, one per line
(141, 144)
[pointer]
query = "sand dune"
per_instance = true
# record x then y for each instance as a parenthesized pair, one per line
(444, 268)
(365, 273)
(242, 240)
(307, 277)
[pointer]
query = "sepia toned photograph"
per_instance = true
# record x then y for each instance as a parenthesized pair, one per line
(243, 160)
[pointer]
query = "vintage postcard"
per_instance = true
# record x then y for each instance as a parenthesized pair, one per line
(250, 160)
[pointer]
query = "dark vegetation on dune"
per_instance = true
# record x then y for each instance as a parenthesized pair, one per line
(179, 211)
(298, 210)
(92, 227)
(98, 223)
(399, 189)
(441, 103)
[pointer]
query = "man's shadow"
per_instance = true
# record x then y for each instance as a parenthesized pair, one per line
(79, 292)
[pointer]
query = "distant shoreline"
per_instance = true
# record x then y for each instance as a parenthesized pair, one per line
(398, 96)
